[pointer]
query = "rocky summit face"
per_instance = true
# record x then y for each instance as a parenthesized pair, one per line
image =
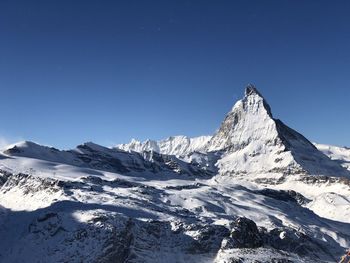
(255, 191)
(250, 120)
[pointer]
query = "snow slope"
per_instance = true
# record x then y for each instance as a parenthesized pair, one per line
(91, 218)
(93, 156)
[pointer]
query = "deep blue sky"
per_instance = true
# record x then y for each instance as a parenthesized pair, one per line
(109, 71)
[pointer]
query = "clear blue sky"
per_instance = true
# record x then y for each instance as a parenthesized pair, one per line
(109, 71)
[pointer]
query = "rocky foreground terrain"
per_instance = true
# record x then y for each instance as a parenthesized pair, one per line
(255, 191)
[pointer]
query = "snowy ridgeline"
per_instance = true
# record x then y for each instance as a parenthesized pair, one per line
(255, 191)
(175, 145)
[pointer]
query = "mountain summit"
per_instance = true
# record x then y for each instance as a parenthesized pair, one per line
(251, 89)
(250, 120)
(255, 142)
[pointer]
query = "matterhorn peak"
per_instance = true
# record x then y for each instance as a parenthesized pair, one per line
(254, 100)
(253, 141)
(249, 120)
(250, 90)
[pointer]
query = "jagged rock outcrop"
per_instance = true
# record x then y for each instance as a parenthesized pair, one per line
(244, 234)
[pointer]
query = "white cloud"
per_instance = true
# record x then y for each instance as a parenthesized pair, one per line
(4, 141)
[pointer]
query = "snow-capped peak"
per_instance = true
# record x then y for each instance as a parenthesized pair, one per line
(251, 89)
(254, 97)
(174, 145)
(249, 120)
(255, 142)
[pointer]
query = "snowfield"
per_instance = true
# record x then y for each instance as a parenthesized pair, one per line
(255, 191)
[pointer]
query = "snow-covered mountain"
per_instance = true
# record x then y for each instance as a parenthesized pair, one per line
(251, 141)
(93, 156)
(255, 142)
(175, 145)
(255, 191)
(339, 154)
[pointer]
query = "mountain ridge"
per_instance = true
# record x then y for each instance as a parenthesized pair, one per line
(251, 120)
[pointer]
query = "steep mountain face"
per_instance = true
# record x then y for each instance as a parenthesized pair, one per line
(255, 191)
(255, 142)
(250, 120)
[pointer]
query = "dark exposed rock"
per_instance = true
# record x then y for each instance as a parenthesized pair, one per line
(324, 180)
(244, 234)
(4, 175)
(281, 260)
(31, 184)
(236, 260)
(208, 239)
(118, 246)
(184, 187)
(282, 195)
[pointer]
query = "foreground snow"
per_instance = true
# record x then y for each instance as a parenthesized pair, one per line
(84, 218)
